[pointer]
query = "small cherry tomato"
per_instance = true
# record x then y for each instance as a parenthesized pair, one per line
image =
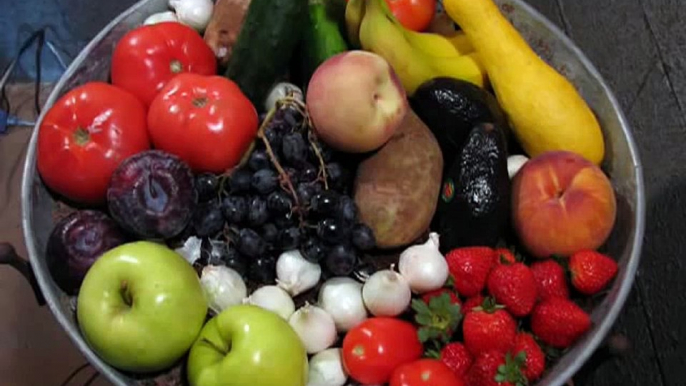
(207, 121)
(376, 347)
(425, 372)
(147, 57)
(415, 15)
(85, 135)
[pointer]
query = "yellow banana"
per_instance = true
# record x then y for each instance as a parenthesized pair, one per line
(466, 67)
(461, 42)
(378, 34)
(354, 12)
(431, 44)
(381, 35)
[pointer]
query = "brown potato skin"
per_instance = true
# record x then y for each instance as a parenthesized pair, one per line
(224, 26)
(397, 187)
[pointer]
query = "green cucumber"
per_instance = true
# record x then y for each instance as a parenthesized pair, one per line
(269, 36)
(322, 37)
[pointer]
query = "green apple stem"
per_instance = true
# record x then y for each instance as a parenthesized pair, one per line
(125, 293)
(216, 347)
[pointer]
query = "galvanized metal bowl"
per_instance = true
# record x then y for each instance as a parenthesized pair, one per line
(622, 164)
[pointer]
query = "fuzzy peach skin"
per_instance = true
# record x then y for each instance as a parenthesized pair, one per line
(562, 203)
(356, 101)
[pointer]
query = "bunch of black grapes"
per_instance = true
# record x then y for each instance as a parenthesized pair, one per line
(304, 204)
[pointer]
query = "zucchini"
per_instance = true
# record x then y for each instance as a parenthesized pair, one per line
(266, 43)
(322, 37)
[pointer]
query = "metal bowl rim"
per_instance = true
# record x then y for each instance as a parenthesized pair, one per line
(602, 330)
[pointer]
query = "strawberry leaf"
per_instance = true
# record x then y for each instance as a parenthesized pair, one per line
(420, 307)
(435, 354)
(450, 283)
(424, 334)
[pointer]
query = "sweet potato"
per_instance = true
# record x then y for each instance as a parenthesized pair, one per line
(224, 26)
(397, 187)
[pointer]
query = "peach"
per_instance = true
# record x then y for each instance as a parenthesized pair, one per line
(562, 203)
(356, 101)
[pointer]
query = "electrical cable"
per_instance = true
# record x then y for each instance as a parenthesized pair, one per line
(92, 379)
(75, 373)
(5, 107)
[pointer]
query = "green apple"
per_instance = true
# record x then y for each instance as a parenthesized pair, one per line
(141, 307)
(246, 345)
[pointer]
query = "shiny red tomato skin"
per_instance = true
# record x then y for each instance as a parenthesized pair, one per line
(415, 15)
(205, 120)
(147, 57)
(376, 347)
(425, 372)
(85, 135)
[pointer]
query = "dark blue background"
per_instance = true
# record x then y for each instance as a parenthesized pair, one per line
(71, 24)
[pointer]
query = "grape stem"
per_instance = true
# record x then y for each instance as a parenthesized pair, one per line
(272, 156)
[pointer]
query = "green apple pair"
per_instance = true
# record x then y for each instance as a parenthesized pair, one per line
(141, 308)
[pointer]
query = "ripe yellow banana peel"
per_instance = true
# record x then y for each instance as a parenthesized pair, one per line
(415, 57)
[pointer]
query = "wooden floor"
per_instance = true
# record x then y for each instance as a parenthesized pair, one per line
(639, 46)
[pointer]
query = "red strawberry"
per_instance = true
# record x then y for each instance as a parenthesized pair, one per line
(504, 255)
(456, 356)
(535, 358)
(495, 368)
(488, 328)
(514, 286)
(454, 299)
(471, 303)
(550, 279)
(591, 271)
(469, 268)
(559, 322)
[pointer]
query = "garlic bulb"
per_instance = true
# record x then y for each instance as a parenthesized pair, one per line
(295, 274)
(161, 17)
(515, 163)
(194, 13)
(423, 266)
(223, 287)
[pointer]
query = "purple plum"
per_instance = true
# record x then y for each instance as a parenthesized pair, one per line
(152, 195)
(76, 242)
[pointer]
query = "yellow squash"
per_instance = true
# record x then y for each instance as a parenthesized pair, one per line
(545, 110)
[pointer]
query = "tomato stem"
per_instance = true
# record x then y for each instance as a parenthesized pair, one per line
(81, 136)
(200, 102)
(176, 66)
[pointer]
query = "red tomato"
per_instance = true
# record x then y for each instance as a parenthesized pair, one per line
(425, 372)
(205, 120)
(415, 15)
(146, 58)
(85, 135)
(376, 347)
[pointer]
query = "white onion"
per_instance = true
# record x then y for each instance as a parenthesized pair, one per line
(295, 274)
(423, 266)
(272, 298)
(315, 327)
(342, 298)
(326, 369)
(386, 293)
(160, 17)
(193, 13)
(515, 163)
(223, 287)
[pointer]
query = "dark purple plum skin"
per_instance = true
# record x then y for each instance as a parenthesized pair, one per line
(76, 242)
(151, 194)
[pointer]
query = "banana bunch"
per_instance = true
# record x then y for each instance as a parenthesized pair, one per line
(416, 57)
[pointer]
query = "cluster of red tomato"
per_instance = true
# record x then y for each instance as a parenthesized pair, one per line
(165, 94)
(387, 350)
